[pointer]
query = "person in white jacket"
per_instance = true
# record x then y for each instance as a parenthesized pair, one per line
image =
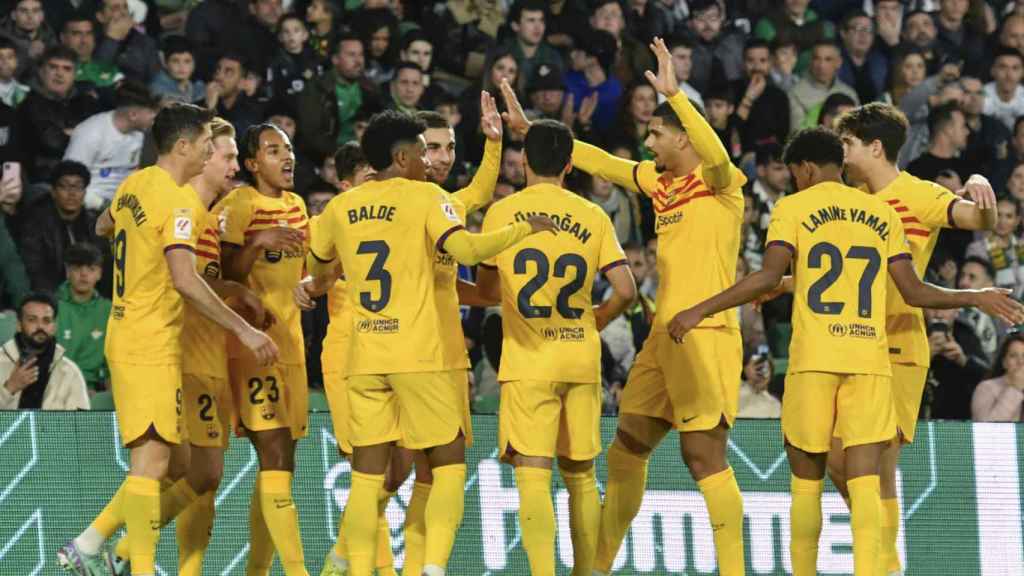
(34, 372)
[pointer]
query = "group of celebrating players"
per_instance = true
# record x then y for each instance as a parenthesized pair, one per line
(187, 368)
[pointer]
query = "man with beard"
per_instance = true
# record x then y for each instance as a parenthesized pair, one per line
(34, 371)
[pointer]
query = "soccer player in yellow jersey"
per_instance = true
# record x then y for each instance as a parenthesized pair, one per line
(156, 230)
(872, 136)
(693, 388)
(263, 242)
(386, 234)
(551, 357)
(837, 239)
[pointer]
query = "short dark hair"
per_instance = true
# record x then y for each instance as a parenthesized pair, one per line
(237, 56)
(386, 131)
(36, 298)
(291, 16)
(132, 93)
(515, 13)
(548, 146)
(828, 42)
(83, 254)
(176, 44)
(940, 116)
(6, 42)
(58, 52)
(816, 145)
(765, 154)
(984, 263)
(251, 140)
(414, 35)
(348, 159)
(406, 65)
(70, 168)
(679, 40)
(346, 36)
(755, 43)
(433, 119)
(833, 103)
(876, 121)
(702, 5)
(78, 16)
(1001, 51)
(178, 120)
(669, 117)
(851, 16)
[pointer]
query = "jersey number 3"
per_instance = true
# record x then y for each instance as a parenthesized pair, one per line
(562, 265)
(376, 273)
(835, 270)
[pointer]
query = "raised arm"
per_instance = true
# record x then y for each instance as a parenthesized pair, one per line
(481, 189)
(471, 249)
(978, 213)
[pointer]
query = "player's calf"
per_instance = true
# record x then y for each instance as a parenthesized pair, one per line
(584, 512)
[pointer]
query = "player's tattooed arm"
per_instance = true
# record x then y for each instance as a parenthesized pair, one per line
(995, 302)
(105, 225)
(776, 261)
(979, 212)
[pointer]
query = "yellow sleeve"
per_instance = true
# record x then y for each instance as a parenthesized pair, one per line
(933, 206)
(472, 249)
(611, 251)
(322, 252)
(597, 162)
(490, 223)
(442, 217)
(782, 230)
(717, 169)
(235, 216)
(481, 188)
(180, 221)
(896, 245)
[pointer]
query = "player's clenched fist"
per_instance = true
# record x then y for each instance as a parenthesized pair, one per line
(261, 346)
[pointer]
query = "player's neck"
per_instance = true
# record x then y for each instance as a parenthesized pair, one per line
(534, 180)
(206, 193)
(177, 170)
(268, 190)
(686, 162)
(880, 177)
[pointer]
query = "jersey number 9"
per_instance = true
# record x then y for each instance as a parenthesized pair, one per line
(120, 257)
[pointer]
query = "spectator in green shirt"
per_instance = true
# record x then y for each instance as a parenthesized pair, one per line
(82, 314)
(79, 35)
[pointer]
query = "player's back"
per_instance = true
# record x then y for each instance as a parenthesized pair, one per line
(203, 341)
(842, 241)
(387, 233)
(546, 282)
(152, 215)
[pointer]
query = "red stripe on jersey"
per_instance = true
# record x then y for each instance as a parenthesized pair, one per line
(915, 232)
(892, 201)
(280, 211)
(683, 202)
(205, 242)
(292, 220)
(208, 255)
(901, 208)
(909, 220)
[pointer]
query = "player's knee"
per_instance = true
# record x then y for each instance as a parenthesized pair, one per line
(632, 444)
(574, 466)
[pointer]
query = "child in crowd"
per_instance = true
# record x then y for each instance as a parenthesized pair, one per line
(175, 81)
(295, 62)
(12, 92)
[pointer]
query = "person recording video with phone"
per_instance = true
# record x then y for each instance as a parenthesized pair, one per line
(756, 401)
(958, 364)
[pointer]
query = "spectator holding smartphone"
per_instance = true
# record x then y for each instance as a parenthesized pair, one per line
(1001, 398)
(958, 364)
(755, 399)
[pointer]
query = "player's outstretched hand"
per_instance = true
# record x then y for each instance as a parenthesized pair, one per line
(665, 82)
(682, 323)
(542, 224)
(517, 121)
(980, 191)
(302, 298)
(998, 303)
(490, 120)
(279, 238)
(261, 346)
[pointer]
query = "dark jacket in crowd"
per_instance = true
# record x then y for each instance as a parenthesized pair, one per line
(137, 56)
(952, 385)
(42, 121)
(44, 243)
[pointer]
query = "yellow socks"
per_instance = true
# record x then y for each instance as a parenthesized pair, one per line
(174, 498)
(805, 525)
(106, 523)
(416, 529)
(584, 518)
(866, 524)
(385, 558)
(890, 529)
(444, 513)
(282, 519)
(725, 510)
(142, 517)
(627, 479)
(537, 518)
(261, 548)
(193, 529)
(360, 523)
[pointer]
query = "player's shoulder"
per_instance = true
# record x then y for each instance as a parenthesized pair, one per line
(910, 187)
(242, 194)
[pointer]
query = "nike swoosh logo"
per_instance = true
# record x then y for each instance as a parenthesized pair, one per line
(685, 420)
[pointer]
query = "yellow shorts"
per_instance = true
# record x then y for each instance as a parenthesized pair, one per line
(907, 388)
(270, 397)
(419, 409)
(147, 396)
(693, 385)
(336, 390)
(856, 408)
(541, 418)
(208, 404)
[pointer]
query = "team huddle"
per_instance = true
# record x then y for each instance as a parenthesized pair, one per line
(205, 336)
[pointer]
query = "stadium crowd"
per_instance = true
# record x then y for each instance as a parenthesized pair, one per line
(81, 82)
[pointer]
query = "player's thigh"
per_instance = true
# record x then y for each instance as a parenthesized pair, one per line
(432, 407)
(645, 394)
(374, 412)
(147, 397)
(703, 378)
(207, 404)
(864, 410)
(579, 430)
(270, 397)
(908, 382)
(529, 418)
(336, 390)
(809, 410)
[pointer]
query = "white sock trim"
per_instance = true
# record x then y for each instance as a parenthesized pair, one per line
(90, 541)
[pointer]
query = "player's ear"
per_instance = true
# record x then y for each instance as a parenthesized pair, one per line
(251, 165)
(567, 169)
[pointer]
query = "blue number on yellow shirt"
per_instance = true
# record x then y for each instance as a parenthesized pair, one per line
(377, 273)
(543, 269)
(835, 270)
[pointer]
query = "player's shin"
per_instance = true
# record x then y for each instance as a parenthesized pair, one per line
(142, 519)
(537, 518)
(865, 523)
(261, 547)
(385, 557)
(282, 519)
(805, 524)
(360, 522)
(193, 529)
(444, 514)
(624, 492)
(584, 518)
(103, 527)
(416, 529)
(725, 511)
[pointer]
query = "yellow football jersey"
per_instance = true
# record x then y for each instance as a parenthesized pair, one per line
(386, 234)
(275, 274)
(698, 240)
(546, 282)
(152, 215)
(924, 208)
(446, 276)
(203, 341)
(334, 352)
(842, 241)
